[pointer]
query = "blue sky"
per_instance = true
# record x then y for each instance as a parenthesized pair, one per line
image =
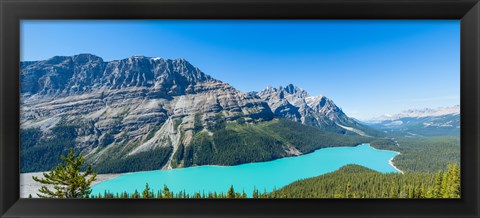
(367, 68)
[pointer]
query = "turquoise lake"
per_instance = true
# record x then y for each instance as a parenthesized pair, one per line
(263, 175)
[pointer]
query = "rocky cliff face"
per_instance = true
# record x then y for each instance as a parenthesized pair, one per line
(85, 73)
(296, 104)
(146, 102)
(117, 109)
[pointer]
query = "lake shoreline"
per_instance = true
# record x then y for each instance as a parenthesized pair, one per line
(391, 159)
(250, 175)
(28, 186)
(393, 165)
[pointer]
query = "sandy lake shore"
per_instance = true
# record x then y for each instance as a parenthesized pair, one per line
(393, 165)
(28, 186)
(391, 159)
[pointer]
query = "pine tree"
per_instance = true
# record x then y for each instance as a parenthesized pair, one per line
(273, 194)
(264, 194)
(255, 193)
(348, 190)
(430, 193)
(394, 190)
(444, 191)
(105, 195)
(67, 180)
(146, 192)
(451, 182)
(403, 194)
(456, 186)
(231, 192)
(166, 192)
(422, 192)
(437, 189)
(411, 191)
(136, 194)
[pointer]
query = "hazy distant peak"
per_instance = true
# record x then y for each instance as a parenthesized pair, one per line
(424, 112)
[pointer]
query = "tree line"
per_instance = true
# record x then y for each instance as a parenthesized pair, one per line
(165, 193)
(354, 181)
(422, 154)
(234, 143)
(425, 161)
(351, 181)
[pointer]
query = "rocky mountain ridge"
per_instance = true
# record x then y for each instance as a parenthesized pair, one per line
(127, 107)
(296, 104)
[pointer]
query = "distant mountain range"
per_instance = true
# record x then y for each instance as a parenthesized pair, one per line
(422, 122)
(163, 113)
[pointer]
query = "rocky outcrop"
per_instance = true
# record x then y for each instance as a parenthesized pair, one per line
(144, 101)
(296, 104)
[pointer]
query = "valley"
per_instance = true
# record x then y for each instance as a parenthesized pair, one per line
(165, 122)
(144, 113)
(247, 177)
(427, 122)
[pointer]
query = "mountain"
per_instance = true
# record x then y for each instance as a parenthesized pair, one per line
(143, 113)
(296, 104)
(421, 122)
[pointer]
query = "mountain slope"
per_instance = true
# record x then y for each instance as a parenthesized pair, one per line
(295, 104)
(143, 113)
(237, 143)
(121, 108)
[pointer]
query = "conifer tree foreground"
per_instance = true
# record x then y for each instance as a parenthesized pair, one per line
(66, 179)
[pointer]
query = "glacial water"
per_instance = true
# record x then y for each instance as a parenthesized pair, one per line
(263, 175)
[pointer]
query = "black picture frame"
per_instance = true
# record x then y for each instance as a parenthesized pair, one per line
(12, 11)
